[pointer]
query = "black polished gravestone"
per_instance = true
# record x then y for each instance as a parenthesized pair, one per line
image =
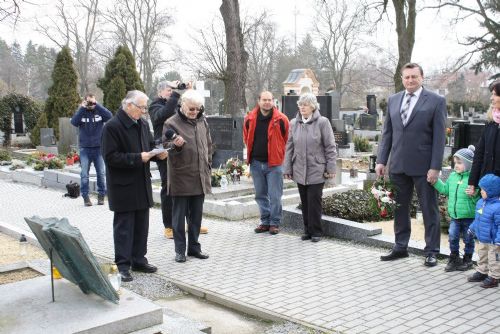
(71, 256)
(227, 138)
(290, 108)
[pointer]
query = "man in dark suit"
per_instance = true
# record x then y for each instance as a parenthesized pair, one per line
(126, 148)
(414, 136)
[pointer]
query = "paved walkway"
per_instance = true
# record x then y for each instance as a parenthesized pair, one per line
(331, 285)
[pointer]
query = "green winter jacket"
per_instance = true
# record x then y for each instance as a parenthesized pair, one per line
(460, 205)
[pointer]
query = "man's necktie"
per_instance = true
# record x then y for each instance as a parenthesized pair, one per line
(406, 108)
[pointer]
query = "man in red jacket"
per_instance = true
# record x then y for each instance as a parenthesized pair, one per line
(265, 133)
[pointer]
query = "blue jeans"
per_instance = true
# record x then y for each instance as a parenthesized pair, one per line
(459, 227)
(268, 183)
(90, 155)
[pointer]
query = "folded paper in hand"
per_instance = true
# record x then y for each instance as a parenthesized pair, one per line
(156, 151)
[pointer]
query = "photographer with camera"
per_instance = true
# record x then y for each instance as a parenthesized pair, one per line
(90, 119)
(161, 109)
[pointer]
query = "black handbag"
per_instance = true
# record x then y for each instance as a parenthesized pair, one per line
(73, 190)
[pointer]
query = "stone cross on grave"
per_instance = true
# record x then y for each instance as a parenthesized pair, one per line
(200, 88)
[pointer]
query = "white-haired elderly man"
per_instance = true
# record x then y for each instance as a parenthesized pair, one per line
(189, 166)
(126, 145)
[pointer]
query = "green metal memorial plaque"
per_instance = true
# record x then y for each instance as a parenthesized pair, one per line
(72, 256)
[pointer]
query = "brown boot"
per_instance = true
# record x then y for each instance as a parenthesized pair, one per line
(489, 282)
(86, 201)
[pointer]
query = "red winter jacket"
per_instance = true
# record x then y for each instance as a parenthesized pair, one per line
(276, 139)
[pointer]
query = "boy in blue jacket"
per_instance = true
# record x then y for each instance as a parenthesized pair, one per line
(486, 228)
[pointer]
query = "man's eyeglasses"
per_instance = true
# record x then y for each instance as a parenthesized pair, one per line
(143, 108)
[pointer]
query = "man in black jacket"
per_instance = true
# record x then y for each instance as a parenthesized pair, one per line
(161, 109)
(126, 148)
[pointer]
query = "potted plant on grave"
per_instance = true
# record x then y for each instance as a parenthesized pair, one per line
(72, 157)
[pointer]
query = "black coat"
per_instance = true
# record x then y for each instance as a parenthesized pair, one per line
(128, 179)
(487, 154)
(162, 109)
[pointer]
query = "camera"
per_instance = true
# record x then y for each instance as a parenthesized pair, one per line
(181, 85)
(90, 105)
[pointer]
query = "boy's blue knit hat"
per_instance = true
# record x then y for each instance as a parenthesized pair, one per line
(466, 155)
(491, 184)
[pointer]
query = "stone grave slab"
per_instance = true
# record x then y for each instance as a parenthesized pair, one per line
(26, 307)
(71, 255)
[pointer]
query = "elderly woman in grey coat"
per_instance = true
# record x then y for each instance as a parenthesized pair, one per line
(310, 160)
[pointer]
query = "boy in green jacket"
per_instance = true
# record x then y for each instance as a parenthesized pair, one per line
(461, 208)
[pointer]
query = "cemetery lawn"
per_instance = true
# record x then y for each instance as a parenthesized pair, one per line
(9, 248)
(417, 230)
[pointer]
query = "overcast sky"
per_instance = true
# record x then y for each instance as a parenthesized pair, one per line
(435, 44)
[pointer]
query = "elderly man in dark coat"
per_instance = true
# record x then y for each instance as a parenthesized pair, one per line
(126, 147)
(189, 166)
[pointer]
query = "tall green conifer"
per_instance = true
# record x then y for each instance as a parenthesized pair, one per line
(63, 97)
(120, 76)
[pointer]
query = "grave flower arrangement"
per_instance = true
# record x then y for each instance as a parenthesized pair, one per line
(384, 193)
(41, 160)
(216, 177)
(234, 164)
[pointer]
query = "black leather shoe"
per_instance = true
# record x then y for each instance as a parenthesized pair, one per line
(145, 268)
(315, 239)
(394, 255)
(199, 255)
(431, 260)
(125, 276)
(305, 237)
(180, 257)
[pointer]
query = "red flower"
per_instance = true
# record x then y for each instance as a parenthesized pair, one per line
(383, 212)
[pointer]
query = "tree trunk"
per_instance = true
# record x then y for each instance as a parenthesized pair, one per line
(236, 71)
(405, 28)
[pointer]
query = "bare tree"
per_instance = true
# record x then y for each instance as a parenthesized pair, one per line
(10, 10)
(487, 44)
(237, 58)
(338, 25)
(261, 42)
(209, 55)
(141, 25)
(78, 28)
(406, 14)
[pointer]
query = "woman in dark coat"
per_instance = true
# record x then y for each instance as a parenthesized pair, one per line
(487, 154)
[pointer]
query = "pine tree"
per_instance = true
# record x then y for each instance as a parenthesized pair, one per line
(120, 76)
(63, 94)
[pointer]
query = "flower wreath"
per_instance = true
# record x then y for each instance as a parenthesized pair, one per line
(384, 193)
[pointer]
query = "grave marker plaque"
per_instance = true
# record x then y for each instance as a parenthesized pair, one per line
(71, 255)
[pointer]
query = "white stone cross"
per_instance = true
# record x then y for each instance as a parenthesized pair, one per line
(200, 88)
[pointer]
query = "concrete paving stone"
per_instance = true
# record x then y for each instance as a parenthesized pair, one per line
(469, 312)
(417, 330)
(434, 322)
(416, 322)
(359, 330)
(484, 328)
(476, 322)
(452, 314)
(441, 329)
